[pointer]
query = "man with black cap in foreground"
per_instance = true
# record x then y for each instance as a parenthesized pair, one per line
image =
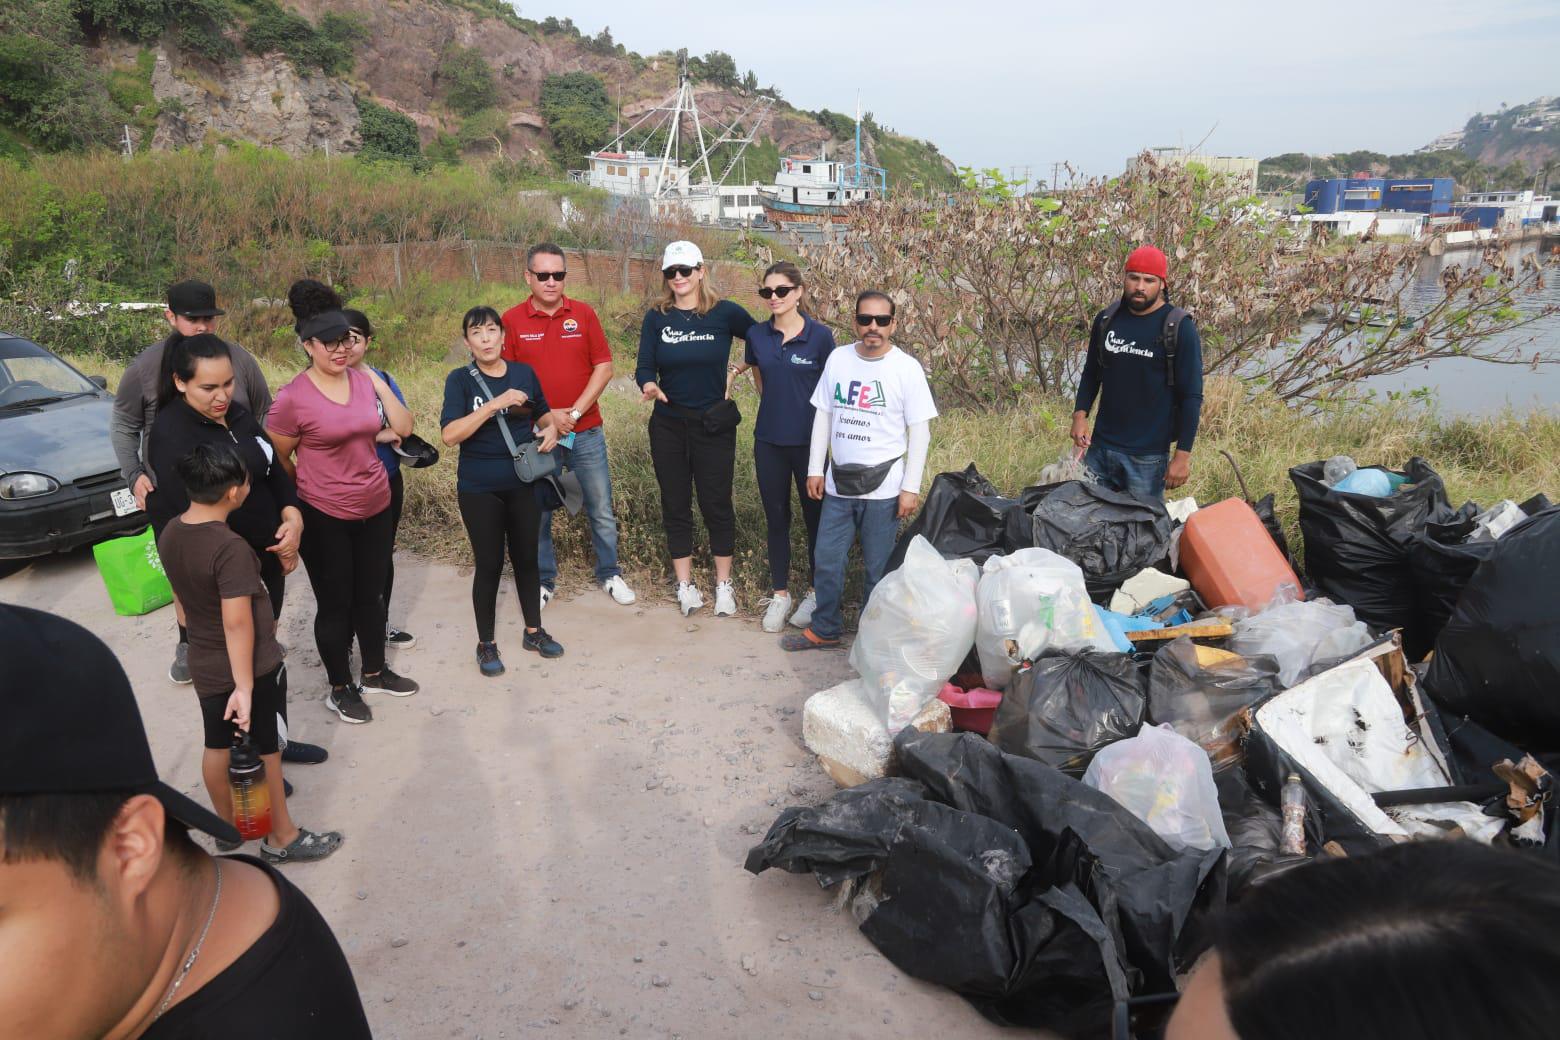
(115, 924)
(192, 310)
(1145, 363)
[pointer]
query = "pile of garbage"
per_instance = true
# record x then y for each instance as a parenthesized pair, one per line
(1084, 721)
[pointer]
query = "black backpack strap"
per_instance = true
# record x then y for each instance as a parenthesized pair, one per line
(1170, 339)
(1102, 321)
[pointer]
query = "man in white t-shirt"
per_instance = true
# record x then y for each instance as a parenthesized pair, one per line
(874, 408)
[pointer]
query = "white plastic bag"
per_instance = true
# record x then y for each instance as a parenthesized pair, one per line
(915, 632)
(1166, 781)
(1028, 602)
(1299, 634)
(1489, 525)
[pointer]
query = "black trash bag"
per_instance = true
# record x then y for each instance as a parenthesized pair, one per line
(1019, 529)
(1066, 706)
(1357, 547)
(1255, 829)
(1443, 560)
(963, 517)
(1151, 897)
(1111, 535)
(1497, 661)
(1203, 702)
(1267, 512)
(956, 904)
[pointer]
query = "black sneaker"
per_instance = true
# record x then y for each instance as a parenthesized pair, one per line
(539, 642)
(304, 754)
(488, 660)
(179, 670)
(347, 701)
(389, 682)
(398, 640)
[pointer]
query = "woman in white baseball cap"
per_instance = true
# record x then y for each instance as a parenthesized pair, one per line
(684, 356)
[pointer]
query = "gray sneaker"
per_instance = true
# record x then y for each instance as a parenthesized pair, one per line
(305, 847)
(179, 670)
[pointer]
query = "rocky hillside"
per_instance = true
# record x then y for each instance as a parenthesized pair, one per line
(471, 76)
(1528, 134)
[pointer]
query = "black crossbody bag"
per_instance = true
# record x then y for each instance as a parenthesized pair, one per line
(531, 462)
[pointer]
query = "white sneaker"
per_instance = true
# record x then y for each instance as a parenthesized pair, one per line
(803, 616)
(725, 599)
(547, 595)
(688, 598)
(774, 614)
(618, 589)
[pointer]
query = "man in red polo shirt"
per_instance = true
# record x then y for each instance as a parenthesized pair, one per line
(562, 340)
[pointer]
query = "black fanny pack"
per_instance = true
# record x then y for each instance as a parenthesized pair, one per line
(721, 417)
(854, 481)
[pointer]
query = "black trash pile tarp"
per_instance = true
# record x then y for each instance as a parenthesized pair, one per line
(964, 517)
(1357, 547)
(1038, 898)
(1267, 512)
(1497, 661)
(1111, 535)
(1443, 561)
(1203, 702)
(1067, 706)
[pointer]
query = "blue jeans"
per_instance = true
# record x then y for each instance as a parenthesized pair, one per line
(1140, 475)
(587, 460)
(877, 521)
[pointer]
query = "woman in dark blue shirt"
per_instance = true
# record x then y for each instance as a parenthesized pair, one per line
(684, 357)
(496, 506)
(787, 353)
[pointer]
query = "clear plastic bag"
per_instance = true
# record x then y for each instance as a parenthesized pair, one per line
(1164, 780)
(915, 632)
(1068, 466)
(1300, 634)
(1029, 602)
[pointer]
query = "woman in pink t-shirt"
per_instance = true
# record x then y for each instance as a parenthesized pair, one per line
(329, 418)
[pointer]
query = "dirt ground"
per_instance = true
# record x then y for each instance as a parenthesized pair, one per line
(558, 851)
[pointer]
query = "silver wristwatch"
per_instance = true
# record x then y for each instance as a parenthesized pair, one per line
(575, 413)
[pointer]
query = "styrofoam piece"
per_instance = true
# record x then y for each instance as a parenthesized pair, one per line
(1181, 508)
(1147, 585)
(842, 727)
(1346, 728)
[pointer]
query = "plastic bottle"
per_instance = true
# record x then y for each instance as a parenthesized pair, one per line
(1336, 468)
(251, 796)
(1292, 838)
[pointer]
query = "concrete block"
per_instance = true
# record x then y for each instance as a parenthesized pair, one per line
(840, 726)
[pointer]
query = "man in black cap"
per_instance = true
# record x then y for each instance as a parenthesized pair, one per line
(115, 923)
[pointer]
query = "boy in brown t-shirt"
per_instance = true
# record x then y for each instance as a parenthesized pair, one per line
(235, 661)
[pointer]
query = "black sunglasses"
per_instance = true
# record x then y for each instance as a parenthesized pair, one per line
(782, 291)
(882, 321)
(678, 272)
(549, 276)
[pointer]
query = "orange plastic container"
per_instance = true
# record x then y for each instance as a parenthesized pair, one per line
(1230, 559)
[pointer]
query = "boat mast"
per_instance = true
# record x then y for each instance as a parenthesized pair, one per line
(858, 138)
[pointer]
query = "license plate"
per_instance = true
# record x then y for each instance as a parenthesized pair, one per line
(124, 502)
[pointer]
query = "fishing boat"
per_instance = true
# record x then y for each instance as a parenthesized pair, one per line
(818, 193)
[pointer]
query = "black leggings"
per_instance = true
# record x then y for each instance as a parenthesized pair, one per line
(397, 499)
(346, 561)
(687, 458)
(493, 518)
(778, 467)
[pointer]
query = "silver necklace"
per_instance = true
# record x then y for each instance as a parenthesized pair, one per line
(189, 962)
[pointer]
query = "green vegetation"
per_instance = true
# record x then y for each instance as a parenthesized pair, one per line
(578, 114)
(387, 134)
(1290, 171)
(716, 67)
(328, 47)
(49, 93)
(198, 25)
(465, 80)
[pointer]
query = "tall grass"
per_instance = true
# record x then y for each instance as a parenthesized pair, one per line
(1483, 459)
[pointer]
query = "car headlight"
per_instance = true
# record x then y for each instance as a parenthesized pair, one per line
(27, 485)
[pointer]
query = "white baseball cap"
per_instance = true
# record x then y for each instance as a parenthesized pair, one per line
(684, 254)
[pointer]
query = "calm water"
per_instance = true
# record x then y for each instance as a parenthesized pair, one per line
(1465, 387)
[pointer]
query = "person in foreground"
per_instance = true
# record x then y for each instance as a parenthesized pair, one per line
(684, 355)
(1145, 364)
(562, 340)
(1444, 940)
(234, 656)
(873, 428)
(493, 408)
(114, 924)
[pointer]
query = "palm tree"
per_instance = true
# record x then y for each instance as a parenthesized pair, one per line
(1545, 169)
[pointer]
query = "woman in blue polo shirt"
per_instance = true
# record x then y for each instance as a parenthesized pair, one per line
(788, 352)
(496, 506)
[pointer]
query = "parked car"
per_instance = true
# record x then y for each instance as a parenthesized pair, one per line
(59, 480)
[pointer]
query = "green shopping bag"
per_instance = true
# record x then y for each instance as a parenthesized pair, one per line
(133, 573)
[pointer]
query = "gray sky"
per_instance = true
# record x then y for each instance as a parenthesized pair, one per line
(1006, 83)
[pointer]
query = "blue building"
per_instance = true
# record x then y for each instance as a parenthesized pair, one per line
(1429, 195)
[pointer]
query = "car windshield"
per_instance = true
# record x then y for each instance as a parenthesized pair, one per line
(30, 374)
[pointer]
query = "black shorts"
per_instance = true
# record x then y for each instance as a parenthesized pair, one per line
(269, 696)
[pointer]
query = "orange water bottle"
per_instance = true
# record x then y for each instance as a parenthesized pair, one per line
(251, 796)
